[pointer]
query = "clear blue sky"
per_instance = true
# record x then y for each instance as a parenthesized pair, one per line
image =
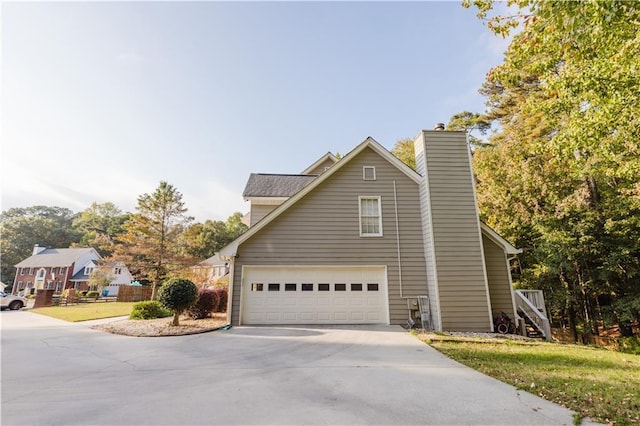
(102, 101)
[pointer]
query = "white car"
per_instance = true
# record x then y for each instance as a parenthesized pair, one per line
(12, 302)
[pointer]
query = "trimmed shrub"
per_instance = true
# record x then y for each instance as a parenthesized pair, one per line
(207, 302)
(149, 309)
(222, 296)
(177, 295)
(81, 293)
(93, 294)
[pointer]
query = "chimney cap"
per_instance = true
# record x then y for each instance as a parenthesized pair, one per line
(439, 126)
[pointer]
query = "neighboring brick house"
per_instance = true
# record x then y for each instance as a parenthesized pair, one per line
(59, 269)
(51, 269)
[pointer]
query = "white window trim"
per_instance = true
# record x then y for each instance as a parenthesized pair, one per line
(379, 200)
(364, 172)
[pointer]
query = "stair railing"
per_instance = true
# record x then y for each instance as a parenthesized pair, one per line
(535, 312)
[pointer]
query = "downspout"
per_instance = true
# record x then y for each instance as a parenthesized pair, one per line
(395, 202)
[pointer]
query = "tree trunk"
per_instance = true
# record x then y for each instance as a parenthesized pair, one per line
(585, 302)
(176, 318)
(570, 309)
(154, 291)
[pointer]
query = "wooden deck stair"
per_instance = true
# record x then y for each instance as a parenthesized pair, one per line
(531, 307)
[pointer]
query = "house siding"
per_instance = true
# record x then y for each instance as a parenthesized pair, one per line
(499, 278)
(318, 170)
(454, 252)
(258, 211)
(322, 228)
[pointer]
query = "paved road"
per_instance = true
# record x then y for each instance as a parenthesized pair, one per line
(56, 373)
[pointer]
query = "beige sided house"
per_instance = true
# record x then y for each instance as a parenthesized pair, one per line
(357, 240)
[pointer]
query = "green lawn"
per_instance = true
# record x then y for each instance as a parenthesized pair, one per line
(86, 311)
(598, 383)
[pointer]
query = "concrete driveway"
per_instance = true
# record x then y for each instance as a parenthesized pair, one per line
(57, 373)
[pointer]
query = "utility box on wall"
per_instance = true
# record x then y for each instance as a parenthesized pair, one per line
(414, 308)
(412, 303)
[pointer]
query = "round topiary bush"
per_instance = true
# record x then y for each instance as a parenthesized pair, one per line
(149, 309)
(177, 295)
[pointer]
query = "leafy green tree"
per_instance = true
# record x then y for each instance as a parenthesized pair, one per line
(234, 227)
(100, 224)
(562, 175)
(178, 295)
(22, 228)
(403, 149)
(469, 122)
(151, 245)
(202, 240)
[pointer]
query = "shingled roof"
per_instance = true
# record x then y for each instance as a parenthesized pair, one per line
(272, 185)
(55, 257)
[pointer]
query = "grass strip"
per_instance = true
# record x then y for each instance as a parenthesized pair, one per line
(86, 311)
(594, 382)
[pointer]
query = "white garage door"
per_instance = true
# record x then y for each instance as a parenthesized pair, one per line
(314, 295)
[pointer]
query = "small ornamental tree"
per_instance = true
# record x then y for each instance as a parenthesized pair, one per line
(100, 278)
(177, 295)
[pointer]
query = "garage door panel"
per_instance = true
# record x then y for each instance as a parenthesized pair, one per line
(373, 316)
(340, 316)
(256, 318)
(308, 295)
(289, 316)
(373, 301)
(324, 316)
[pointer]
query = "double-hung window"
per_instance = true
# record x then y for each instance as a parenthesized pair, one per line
(370, 216)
